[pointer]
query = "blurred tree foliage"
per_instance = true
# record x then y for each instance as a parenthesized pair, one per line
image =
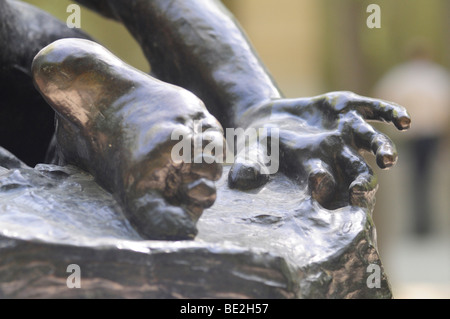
(358, 56)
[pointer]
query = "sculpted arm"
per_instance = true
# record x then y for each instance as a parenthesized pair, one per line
(198, 45)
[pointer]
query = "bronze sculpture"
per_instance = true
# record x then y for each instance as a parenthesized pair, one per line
(26, 122)
(116, 122)
(199, 46)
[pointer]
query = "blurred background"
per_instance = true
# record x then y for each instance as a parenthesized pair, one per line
(315, 46)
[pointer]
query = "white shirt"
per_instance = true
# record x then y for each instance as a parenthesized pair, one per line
(423, 88)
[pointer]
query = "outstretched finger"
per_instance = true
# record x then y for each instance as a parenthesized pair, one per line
(364, 136)
(377, 110)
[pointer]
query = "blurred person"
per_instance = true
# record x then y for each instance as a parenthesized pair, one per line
(423, 87)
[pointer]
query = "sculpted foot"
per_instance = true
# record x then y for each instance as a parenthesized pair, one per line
(117, 123)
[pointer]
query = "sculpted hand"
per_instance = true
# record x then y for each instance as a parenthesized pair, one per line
(320, 141)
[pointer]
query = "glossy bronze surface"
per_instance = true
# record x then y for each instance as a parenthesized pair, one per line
(320, 141)
(198, 45)
(26, 121)
(283, 247)
(117, 123)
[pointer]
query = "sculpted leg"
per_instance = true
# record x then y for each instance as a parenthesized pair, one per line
(117, 123)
